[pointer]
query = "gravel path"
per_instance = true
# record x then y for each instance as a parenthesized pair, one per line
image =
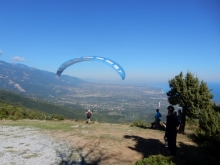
(28, 146)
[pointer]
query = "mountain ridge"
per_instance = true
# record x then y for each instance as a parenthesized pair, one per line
(21, 78)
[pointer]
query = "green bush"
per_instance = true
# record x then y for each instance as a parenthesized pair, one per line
(209, 126)
(57, 117)
(191, 122)
(16, 112)
(3, 113)
(155, 160)
(208, 133)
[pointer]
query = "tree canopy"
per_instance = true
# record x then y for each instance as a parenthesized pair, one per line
(190, 94)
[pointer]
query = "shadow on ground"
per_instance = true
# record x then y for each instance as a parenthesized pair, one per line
(147, 146)
(94, 156)
(186, 154)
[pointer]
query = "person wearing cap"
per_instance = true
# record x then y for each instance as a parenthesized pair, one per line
(88, 114)
(172, 125)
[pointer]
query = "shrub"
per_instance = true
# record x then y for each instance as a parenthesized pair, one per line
(57, 117)
(16, 112)
(191, 122)
(209, 126)
(208, 133)
(155, 160)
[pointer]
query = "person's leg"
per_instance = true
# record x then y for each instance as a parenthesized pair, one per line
(153, 124)
(157, 124)
(182, 128)
(172, 146)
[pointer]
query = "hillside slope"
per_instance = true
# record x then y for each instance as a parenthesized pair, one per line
(49, 108)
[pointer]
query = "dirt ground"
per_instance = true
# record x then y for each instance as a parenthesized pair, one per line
(113, 144)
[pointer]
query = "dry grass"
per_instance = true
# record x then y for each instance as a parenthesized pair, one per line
(104, 143)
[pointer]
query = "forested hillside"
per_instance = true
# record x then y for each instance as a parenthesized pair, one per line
(16, 112)
(20, 102)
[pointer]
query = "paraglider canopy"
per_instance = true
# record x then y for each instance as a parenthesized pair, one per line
(107, 61)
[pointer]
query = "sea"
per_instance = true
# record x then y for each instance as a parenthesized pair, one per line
(213, 86)
(215, 90)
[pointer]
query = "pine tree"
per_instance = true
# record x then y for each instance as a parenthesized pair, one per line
(209, 125)
(216, 108)
(189, 93)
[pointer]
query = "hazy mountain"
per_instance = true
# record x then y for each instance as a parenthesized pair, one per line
(28, 80)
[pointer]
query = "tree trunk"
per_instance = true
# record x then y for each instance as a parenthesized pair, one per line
(183, 121)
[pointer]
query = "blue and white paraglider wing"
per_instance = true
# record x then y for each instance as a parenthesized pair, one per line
(107, 61)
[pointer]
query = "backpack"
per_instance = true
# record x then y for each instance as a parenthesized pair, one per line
(89, 114)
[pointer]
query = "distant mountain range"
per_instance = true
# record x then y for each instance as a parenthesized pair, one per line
(39, 83)
(23, 79)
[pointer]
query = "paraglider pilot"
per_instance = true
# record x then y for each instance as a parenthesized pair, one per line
(88, 114)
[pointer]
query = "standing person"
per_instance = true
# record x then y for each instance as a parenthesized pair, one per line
(158, 118)
(88, 114)
(172, 125)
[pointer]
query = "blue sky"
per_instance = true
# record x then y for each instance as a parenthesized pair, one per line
(153, 40)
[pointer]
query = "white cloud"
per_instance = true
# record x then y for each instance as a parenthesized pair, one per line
(0, 52)
(17, 58)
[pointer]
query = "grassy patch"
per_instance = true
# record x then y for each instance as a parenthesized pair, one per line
(45, 125)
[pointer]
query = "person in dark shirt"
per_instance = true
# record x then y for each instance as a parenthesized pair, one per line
(172, 125)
